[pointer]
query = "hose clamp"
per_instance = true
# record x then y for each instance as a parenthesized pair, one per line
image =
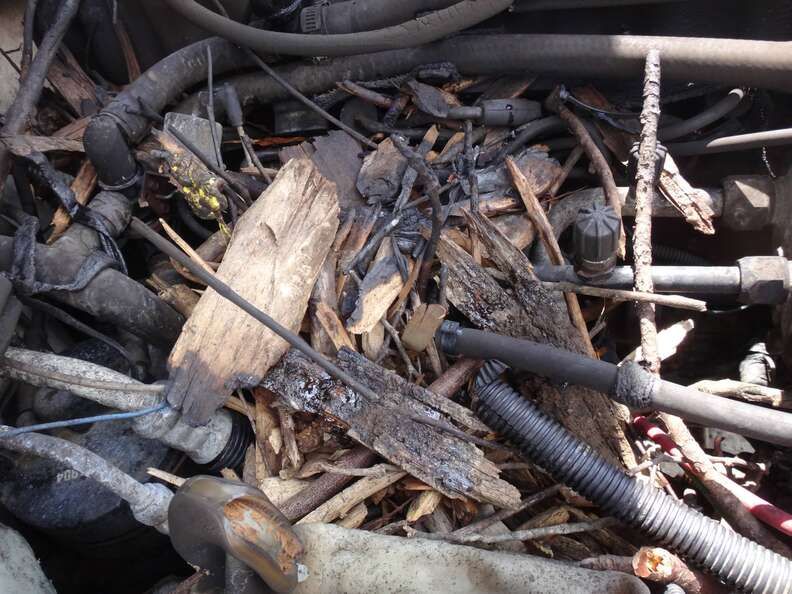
(132, 181)
(447, 336)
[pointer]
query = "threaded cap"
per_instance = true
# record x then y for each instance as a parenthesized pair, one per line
(595, 237)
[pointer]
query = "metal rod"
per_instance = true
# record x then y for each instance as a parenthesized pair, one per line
(709, 280)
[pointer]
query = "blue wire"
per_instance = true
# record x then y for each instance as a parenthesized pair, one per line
(83, 421)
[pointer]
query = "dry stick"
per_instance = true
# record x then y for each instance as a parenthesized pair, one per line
(620, 295)
(542, 226)
(698, 464)
(569, 164)
(455, 377)
(597, 160)
(530, 534)
(326, 485)
(645, 182)
(504, 514)
(344, 501)
(400, 347)
(186, 247)
(432, 186)
(27, 38)
(365, 94)
(470, 161)
(16, 117)
(658, 565)
(753, 393)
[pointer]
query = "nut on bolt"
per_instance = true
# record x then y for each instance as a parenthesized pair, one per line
(764, 280)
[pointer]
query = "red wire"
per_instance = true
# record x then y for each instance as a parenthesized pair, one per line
(763, 510)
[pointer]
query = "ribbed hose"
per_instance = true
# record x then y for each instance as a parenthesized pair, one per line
(737, 561)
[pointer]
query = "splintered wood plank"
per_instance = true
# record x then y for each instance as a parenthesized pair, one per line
(451, 465)
(273, 260)
(76, 87)
(588, 414)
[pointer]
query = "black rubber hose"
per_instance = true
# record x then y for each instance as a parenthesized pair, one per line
(122, 123)
(425, 29)
(739, 562)
(541, 5)
(353, 16)
(110, 296)
(628, 384)
(728, 144)
(187, 217)
(709, 116)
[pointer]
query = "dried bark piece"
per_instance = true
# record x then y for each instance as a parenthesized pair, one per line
(593, 417)
(691, 202)
(274, 258)
(449, 464)
(380, 288)
(381, 175)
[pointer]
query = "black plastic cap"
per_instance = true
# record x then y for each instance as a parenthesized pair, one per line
(596, 240)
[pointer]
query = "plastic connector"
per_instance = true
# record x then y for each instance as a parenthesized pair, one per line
(595, 237)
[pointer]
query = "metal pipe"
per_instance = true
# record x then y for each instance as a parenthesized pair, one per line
(726, 144)
(706, 280)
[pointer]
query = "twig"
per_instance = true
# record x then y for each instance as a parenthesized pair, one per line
(366, 94)
(595, 156)
(186, 586)
(432, 186)
(646, 180)
(166, 477)
(16, 117)
(359, 491)
(470, 160)
(748, 392)
(378, 470)
(186, 247)
(530, 534)
(399, 347)
(326, 485)
(27, 38)
(210, 107)
(733, 501)
(372, 244)
(308, 103)
(504, 514)
(569, 164)
(676, 301)
(542, 226)
(658, 565)
(443, 426)
(455, 377)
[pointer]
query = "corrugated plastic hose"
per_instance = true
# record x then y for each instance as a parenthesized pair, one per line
(737, 561)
